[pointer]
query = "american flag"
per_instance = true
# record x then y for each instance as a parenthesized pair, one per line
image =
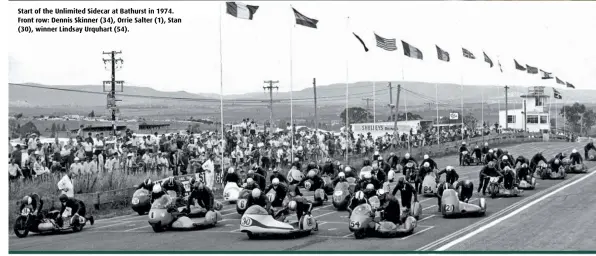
(468, 54)
(385, 43)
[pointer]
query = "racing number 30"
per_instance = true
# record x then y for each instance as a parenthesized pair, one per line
(246, 221)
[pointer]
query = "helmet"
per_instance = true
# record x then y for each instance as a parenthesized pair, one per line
(524, 166)
(401, 180)
(505, 158)
(275, 181)
(347, 169)
(147, 182)
(380, 158)
(256, 193)
(376, 153)
(507, 168)
(486, 144)
(425, 157)
(391, 175)
(292, 205)
(450, 168)
(275, 170)
(468, 184)
(341, 175)
(200, 186)
(574, 151)
(359, 195)
(250, 181)
(427, 164)
(370, 187)
(380, 192)
(463, 143)
(505, 152)
(157, 188)
(407, 155)
(477, 146)
(231, 170)
(490, 151)
(491, 164)
(251, 171)
(367, 175)
(311, 173)
(27, 200)
(63, 198)
(556, 161)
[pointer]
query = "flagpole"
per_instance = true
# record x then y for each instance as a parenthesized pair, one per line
(462, 104)
(403, 79)
(556, 115)
(437, 106)
(291, 92)
(374, 103)
(482, 93)
(221, 88)
(347, 99)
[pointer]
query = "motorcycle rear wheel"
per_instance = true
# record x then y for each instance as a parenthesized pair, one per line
(157, 228)
(21, 222)
(359, 234)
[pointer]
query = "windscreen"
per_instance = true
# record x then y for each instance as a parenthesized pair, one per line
(363, 209)
(162, 203)
(140, 192)
(256, 210)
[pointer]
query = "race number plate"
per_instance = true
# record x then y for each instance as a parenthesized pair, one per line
(449, 208)
(187, 186)
(242, 203)
(152, 215)
(246, 222)
(354, 224)
(427, 189)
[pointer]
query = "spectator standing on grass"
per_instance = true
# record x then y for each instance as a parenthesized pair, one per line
(14, 171)
(209, 168)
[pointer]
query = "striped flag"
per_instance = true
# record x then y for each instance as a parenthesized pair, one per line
(557, 94)
(500, 67)
(305, 21)
(559, 81)
(488, 60)
(531, 70)
(518, 66)
(240, 10)
(362, 42)
(387, 44)
(411, 51)
(546, 75)
(569, 85)
(468, 54)
(442, 54)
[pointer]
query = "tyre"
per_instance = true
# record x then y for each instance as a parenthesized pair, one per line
(251, 235)
(360, 234)
(157, 228)
(77, 228)
(20, 227)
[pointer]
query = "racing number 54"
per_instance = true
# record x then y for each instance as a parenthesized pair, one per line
(355, 224)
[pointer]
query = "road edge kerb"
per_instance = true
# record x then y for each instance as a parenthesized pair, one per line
(511, 214)
(501, 212)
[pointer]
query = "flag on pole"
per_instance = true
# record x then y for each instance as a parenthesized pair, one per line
(411, 51)
(531, 70)
(559, 81)
(569, 85)
(546, 75)
(557, 94)
(387, 44)
(305, 21)
(500, 67)
(488, 60)
(518, 66)
(240, 10)
(468, 54)
(442, 54)
(362, 42)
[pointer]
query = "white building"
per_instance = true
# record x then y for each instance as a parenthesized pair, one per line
(537, 117)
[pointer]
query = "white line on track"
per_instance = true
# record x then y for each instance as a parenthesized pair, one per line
(119, 223)
(331, 229)
(497, 221)
(128, 230)
(426, 218)
(324, 214)
(346, 236)
(417, 233)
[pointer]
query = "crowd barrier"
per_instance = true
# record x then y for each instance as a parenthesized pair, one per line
(123, 196)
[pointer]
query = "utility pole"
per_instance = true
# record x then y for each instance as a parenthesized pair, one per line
(390, 101)
(368, 100)
(506, 109)
(270, 87)
(111, 105)
(395, 133)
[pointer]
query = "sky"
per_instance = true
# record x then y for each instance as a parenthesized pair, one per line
(555, 36)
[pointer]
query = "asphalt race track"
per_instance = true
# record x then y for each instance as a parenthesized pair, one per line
(562, 221)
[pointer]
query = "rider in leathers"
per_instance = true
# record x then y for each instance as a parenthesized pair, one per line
(279, 176)
(576, 157)
(467, 190)
(523, 171)
(490, 156)
(536, 159)
(462, 149)
(407, 158)
(478, 153)
(368, 179)
(504, 163)
(485, 150)
(77, 207)
(554, 164)
(432, 163)
(587, 148)
(451, 175)
(389, 206)
(349, 173)
(173, 185)
(258, 198)
(316, 181)
(281, 191)
(258, 178)
(521, 160)
(358, 199)
(487, 171)
(508, 177)
(406, 192)
(36, 204)
(424, 170)
(147, 184)
(203, 195)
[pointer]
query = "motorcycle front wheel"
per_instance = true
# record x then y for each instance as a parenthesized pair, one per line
(360, 234)
(20, 227)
